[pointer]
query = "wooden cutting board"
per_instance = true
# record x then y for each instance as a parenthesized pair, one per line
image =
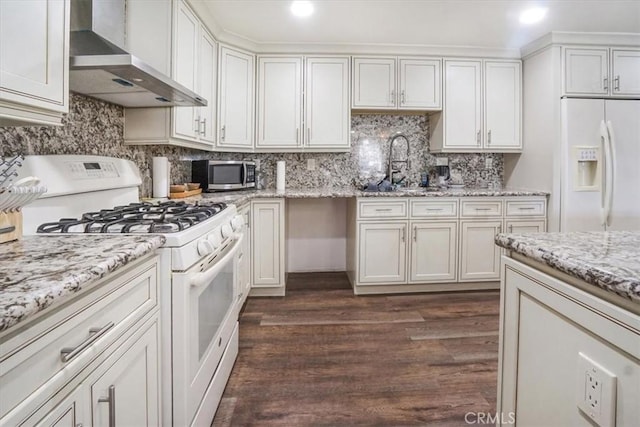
(184, 194)
(11, 219)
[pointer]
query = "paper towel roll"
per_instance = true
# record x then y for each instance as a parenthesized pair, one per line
(280, 176)
(160, 173)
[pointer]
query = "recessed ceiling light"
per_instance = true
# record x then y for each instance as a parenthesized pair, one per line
(302, 8)
(533, 15)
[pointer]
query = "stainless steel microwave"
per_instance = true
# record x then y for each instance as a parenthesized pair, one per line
(224, 175)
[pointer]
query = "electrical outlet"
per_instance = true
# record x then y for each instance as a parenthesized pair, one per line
(311, 164)
(442, 161)
(596, 392)
(488, 163)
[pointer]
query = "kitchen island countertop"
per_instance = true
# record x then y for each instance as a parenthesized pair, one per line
(608, 260)
(40, 271)
(240, 197)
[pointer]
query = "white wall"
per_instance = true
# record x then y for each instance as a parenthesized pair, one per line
(316, 232)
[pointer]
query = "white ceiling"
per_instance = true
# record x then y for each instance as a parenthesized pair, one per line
(469, 23)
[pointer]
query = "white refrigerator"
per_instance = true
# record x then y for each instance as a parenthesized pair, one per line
(600, 165)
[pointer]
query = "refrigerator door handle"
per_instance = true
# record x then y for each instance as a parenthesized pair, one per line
(611, 177)
(604, 135)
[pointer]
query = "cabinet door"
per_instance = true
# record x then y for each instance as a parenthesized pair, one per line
(207, 87)
(128, 388)
(586, 71)
(279, 102)
(502, 105)
(625, 72)
(382, 253)
(420, 84)
(374, 83)
(186, 70)
(34, 53)
(235, 91)
(70, 412)
(327, 112)
(479, 255)
(525, 226)
(267, 231)
(434, 251)
(462, 105)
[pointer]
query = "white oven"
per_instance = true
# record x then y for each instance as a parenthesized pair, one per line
(204, 321)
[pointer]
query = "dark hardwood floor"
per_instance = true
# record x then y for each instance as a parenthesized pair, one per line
(323, 357)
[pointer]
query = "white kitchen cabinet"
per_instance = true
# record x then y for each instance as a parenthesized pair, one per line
(67, 413)
(236, 100)
(34, 62)
(382, 253)
(525, 226)
(279, 102)
(482, 109)
(479, 255)
(267, 241)
(434, 250)
(406, 83)
(194, 53)
(319, 120)
(244, 259)
(125, 392)
(601, 71)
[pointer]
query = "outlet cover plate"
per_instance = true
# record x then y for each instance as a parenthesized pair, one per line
(442, 161)
(596, 392)
(311, 164)
(488, 163)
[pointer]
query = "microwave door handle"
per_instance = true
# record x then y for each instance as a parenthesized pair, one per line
(206, 276)
(244, 175)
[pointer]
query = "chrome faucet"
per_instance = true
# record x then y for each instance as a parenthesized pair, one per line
(391, 171)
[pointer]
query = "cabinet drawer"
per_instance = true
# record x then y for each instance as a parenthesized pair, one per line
(481, 208)
(89, 324)
(434, 208)
(382, 209)
(526, 207)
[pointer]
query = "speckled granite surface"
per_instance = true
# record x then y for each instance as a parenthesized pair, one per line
(40, 271)
(609, 260)
(240, 197)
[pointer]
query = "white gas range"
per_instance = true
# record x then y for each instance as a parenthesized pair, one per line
(199, 291)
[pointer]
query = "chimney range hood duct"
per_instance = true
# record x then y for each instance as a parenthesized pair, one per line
(100, 68)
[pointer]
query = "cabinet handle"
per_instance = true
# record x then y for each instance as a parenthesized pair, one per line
(415, 232)
(383, 210)
(204, 127)
(606, 83)
(478, 137)
(297, 136)
(616, 83)
(526, 209)
(434, 210)
(500, 228)
(510, 228)
(392, 97)
(224, 132)
(404, 232)
(111, 401)
(489, 138)
(197, 128)
(402, 97)
(68, 353)
(482, 209)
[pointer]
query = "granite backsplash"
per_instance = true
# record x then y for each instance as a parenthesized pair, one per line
(96, 127)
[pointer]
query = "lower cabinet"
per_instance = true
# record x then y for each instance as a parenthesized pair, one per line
(244, 259)
(433, 251)
(525, 226)
(382, 254)
(479, 255)
(267, 241)
(67, 413)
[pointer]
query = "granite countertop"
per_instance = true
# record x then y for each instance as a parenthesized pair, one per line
(609, 260)
(240, 197)
(40, 271)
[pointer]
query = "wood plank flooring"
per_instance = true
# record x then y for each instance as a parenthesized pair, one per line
(323, 357)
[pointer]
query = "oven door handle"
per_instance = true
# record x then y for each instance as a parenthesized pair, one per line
(206, 276)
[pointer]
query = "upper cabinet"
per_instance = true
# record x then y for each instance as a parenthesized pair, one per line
(303, 103)
(236, 101)
(482, 109)
(34, 62)
(194, 53)
(396, 83)
(601, 71)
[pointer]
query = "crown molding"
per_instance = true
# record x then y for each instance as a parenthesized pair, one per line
(579, 38)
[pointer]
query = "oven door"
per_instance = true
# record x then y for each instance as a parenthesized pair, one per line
(203, 318)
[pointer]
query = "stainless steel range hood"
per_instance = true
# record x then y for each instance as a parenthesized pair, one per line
(100, 68)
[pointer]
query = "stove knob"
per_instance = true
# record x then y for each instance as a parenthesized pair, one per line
(237, 222)
(204, 247)
(214, 239)
(226, 231)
